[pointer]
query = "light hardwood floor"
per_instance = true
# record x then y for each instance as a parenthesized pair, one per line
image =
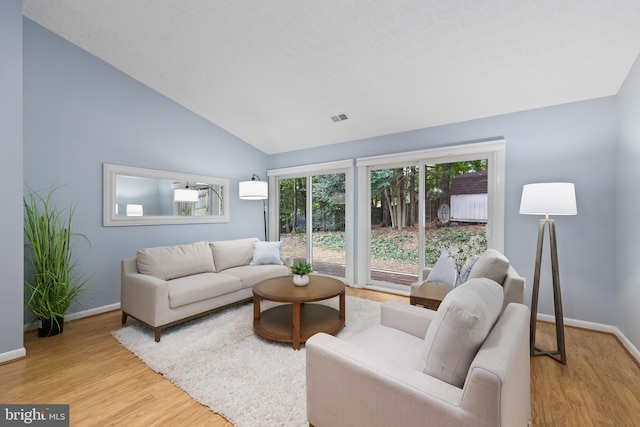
(107, 385)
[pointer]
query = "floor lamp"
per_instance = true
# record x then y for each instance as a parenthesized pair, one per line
(551, 198)
(256, 190)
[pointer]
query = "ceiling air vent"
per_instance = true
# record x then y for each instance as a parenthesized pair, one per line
(339, 118)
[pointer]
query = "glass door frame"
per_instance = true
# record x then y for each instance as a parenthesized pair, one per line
(493, 151)
(308, 171)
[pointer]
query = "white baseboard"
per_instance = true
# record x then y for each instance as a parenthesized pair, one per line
(22, 352)
(12, 355)
(84, 313)
(93, 311)
(628, 345)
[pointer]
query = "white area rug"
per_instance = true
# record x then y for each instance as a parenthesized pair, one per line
(223, 364)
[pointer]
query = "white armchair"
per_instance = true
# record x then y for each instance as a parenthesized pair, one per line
(374, 378)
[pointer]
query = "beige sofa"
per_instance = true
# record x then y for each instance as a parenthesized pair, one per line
(168, 285)
(422, 367)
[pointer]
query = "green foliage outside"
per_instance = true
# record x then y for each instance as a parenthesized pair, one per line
(394, 212)
(402, 246)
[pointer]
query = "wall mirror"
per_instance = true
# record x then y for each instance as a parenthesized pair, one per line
(138, 196)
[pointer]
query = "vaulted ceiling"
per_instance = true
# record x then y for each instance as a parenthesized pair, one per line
(274, 73)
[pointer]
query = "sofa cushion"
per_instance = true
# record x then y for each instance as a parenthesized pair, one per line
(463, 321)
(391, 343)
(232, 253)
(169, 262)
(444, 271)
(491, 265)
(252, 274)
(190, 289)
(267, 253)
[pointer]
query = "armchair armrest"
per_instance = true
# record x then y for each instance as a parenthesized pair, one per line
(348, 386)
(407, 318)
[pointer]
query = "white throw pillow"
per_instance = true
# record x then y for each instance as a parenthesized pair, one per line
(267, 253)
(460, 326)
(444, 271)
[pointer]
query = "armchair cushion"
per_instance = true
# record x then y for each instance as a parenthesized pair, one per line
(460, 326)
(492, 265)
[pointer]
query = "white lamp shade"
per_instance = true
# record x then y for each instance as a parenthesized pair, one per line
(134, 210)
(549, 198)
(253, 190)
(185, 195)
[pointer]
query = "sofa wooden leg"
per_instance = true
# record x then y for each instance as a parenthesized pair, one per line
(124, 317)
(158, 331)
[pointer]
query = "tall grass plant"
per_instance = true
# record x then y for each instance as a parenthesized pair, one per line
(55, 283)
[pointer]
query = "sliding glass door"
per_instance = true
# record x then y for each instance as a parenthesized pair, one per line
(394, 225)
(313, 212)
(424, 203)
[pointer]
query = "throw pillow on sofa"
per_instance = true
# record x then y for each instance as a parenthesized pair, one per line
(461, 324)
(232, 253)
(267, 253)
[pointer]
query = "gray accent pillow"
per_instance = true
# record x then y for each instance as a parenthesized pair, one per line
(444, 271)
(267, 253)
(461, 324)
(466, 268)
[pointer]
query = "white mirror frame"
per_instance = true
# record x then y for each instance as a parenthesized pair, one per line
(110, 219)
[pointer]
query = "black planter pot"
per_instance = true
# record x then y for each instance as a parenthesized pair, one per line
(50, 327)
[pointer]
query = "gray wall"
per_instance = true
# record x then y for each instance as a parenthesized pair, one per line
(79, 113)
(628, 209)
(11, 176)
(574, 142)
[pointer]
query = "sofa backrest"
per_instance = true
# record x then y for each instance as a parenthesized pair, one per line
(169, 262)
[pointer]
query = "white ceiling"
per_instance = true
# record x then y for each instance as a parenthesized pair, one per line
(274, 72)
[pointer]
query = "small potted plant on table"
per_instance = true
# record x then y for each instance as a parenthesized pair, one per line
(300, 271)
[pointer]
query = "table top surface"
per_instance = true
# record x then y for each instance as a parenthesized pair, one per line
(282, 289)
(431, 290)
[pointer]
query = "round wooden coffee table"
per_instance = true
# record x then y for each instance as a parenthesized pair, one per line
(297, 321)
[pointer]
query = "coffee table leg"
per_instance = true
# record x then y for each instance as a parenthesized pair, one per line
(296, 326)
(342, 306)
(256, 307)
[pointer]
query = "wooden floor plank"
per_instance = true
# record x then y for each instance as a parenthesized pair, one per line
(105, 384)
